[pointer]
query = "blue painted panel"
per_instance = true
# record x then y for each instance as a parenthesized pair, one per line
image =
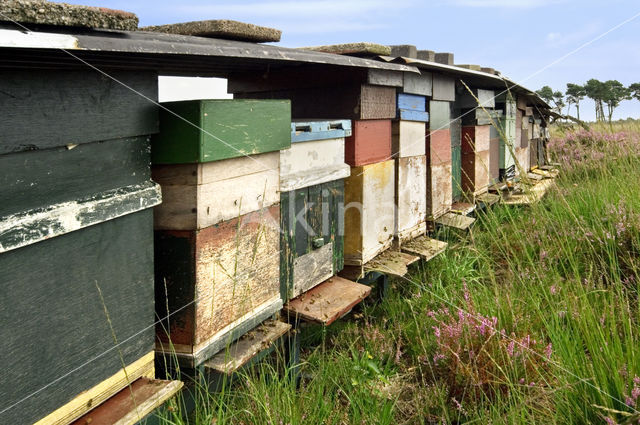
(410, 115)
(305, 131)
(412, 102)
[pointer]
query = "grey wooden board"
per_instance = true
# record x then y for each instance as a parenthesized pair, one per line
(312, 269)
(457, 221)
(39, 178)
(391, 262)
(480, 98)
(425, 247)
(383, 77)
(444, 87)
(53, 320)
(45, 109)
(418, 84)
(248, 346)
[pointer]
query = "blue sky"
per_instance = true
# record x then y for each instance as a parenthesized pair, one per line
(517, 37)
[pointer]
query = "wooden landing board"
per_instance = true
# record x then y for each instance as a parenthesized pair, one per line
(498, 187)
(546, 174)
(328, 301)
(534, 176)
(530, 194)
(425, 247)
(132, 403)
(488, 199)
(251, 344)
(464, 208)
(457, 221)
(391, 262)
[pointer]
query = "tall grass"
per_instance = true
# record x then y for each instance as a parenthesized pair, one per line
(532, 318)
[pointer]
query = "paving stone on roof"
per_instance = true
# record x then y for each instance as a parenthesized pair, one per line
(404, 50)
(470, 66)
(488, 70)
(427, 55)
(63, 14)
(444, 58)
(355, 49)
(220, 28)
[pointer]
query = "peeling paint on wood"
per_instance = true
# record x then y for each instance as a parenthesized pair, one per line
(475, 159)
(439, 147)
(439, 190)
(305, 131)
(196, 196)
(411, 197)
(28, 227)
(231, 272)
(369, 211)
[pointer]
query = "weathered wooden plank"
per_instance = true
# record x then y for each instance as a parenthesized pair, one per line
(475, 172)
(439, 189)
(312, 269)
(424, 247)
(196, 196)
(522, 160)
(408, 138)
(311, 163)
(32, 226)
(391, 262)
(305, 131)
(547, 174)
(247, 347)
(384, 77)
(488, 199)
(328, 302)
(464, 208)
(438, 147)
(444, 87)
(54, 316)
(370, 142)
(142, 368)
(411, 196)
(456, 221)
(210, 130)
(410, 115)
(229, 269)
(480, 116)
(475, 138)
(41, 178)
(529, 194)
(132, 404)
(420, 84)
(369, 211)
(34, 104)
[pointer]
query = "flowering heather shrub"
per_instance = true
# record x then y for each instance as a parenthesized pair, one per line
(590, 147)
(478, 359)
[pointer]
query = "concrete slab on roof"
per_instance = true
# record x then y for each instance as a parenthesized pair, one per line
(405, 50)
(445, 58)
(427, 55)
(69, 15)
(471, 66)
(220, 28)
(356, 49)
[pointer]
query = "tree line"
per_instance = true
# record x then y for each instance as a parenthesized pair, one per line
(607, 94)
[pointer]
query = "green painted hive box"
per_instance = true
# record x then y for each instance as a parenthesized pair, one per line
(197, 131)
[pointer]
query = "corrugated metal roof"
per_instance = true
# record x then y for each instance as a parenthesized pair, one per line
(168, 53)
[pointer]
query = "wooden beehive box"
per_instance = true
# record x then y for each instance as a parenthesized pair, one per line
(196, 131)
(475, 159)
(411, 197)
(369, 211)
(311, 207)
(196, 196)
(408, 138)
(439, 190)
(218, 282)
(75, 240)
(369, 143)
(412, 107)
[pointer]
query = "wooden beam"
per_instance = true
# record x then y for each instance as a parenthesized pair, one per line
(132, 404)
(86, 400)
(328, 301)
(247, 347)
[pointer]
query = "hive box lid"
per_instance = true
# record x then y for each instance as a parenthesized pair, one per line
(308, 130)
(211, 130)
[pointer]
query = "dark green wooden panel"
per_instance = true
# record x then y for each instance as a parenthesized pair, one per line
(41, 178)
(42, 109)
(211, 130)
(52, 320)
(310, 214)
